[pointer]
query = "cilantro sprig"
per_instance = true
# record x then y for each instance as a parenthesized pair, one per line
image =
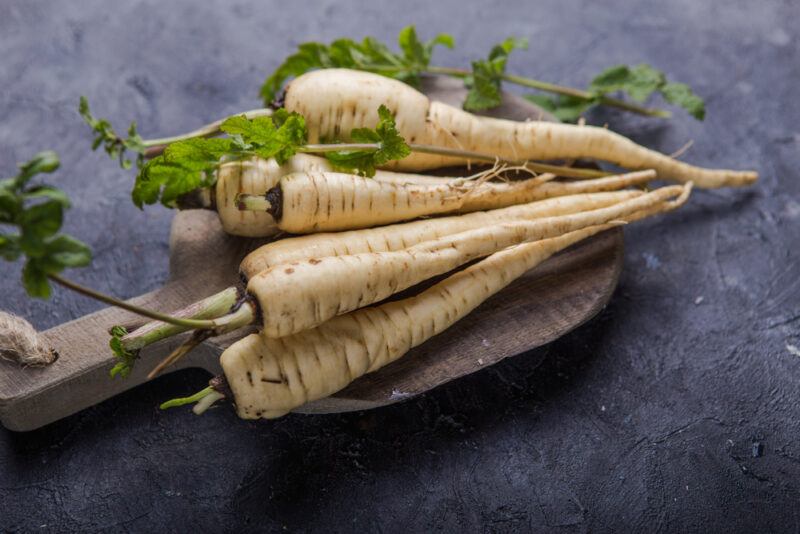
(31, 215)
(191, 164)
(486, 76)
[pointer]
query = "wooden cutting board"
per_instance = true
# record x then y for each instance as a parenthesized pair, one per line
(547, 302)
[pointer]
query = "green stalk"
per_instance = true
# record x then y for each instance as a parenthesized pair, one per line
(204, 399)
(560, 90)
(208, 308)
(222, 318)
(91, 293)
(568, 172)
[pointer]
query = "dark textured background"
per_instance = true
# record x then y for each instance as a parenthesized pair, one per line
(645, 418)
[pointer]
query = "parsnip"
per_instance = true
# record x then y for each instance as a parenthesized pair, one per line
(296, 296)
(372, 240)
(257, 176)
(327, 201)
(334, 101)
(271, 376)
(403, 235)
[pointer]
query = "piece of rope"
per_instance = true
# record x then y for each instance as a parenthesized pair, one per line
(21, 343)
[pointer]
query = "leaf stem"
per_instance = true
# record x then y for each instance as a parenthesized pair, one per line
(157, 146)
(208, 308)
(112, 301)
(204, 399)
(568, 172)
(560, 90)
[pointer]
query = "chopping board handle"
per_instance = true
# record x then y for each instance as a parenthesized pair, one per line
(79, 378)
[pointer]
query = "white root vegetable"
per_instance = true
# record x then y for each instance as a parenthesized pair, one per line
(334, 101)
(297, 296)
(327, 201)
(257, 176)
(404, 235)
(270, 377)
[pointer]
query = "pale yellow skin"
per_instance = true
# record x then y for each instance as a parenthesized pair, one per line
(331, 201)
(334, 101)
(300, 295)
(256, 176)
(399, 236)
(271, 376)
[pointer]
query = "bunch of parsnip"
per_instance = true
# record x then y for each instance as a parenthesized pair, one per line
(338, 157)
(318, 300)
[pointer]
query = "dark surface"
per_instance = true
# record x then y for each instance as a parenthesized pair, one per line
(676, 409)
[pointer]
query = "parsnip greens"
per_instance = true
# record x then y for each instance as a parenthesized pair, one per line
(637, 82)
(486, 76)
(114, 145)
(36, 211)
(190, 164)
(369, 55)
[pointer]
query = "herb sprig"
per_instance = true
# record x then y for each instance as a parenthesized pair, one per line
(485, 78)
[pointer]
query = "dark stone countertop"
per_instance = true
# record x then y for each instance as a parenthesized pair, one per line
(646, 418)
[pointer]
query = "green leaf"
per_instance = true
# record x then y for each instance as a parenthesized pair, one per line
(48, 192)
(415, 52)
(9, 247)
(681, 95)
(66, 251)
(391, 146)
(369, 55)
(126, 358)
(37, 223)
(46, 161)
(564, 108)
(265, 139)
(35, 281)
(114, 145)
(183, 167)
(484, 82)
(10, 206)
(638, 82)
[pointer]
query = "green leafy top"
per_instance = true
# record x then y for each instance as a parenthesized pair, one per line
(391, 147)
(639, 83)
(368, 55)
(36, 212)
(190, 164)
(114, 145)
(484, 82)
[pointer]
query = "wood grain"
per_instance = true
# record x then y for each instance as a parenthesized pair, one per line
(544, 304)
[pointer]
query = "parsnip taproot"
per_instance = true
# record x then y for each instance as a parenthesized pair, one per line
(334, 101)
(300, 295)
(327, 201)
(387, 238)
(268, 377)
(257, 176)
(402, 235)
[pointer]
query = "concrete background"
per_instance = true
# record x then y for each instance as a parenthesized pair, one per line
(645, 419)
